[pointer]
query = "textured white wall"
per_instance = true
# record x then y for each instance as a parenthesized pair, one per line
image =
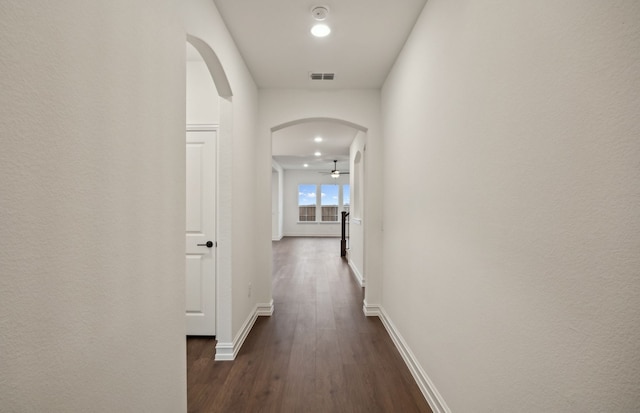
(293, 178)
(91, 207)
(202, 96)
(512, 203)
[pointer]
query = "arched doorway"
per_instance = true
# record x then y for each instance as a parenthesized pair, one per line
(341, 145)
(208, 115)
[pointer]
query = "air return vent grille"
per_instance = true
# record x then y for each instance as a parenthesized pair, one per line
(322, 76)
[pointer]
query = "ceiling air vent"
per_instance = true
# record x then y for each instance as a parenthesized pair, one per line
(322, 76)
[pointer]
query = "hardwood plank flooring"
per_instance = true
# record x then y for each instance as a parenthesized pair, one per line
(318, 352)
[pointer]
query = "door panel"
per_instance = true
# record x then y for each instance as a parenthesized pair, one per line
(200, 228)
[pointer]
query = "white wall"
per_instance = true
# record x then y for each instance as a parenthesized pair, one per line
(292, 228)
(92, 207)
(244, 234)
(277, 201)
(512, 193)
(361, 107)
(202, 96)
(275, 206)
(355, 254)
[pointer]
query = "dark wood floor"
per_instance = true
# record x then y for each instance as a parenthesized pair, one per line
(317, 353)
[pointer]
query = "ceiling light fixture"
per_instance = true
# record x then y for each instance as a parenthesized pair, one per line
(335, 174)
(317, 154)
(320, 13)
(306, 165)
(318, 139)
(320, 30)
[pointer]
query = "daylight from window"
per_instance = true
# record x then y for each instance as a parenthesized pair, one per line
(306, 195)
(307, 203)
(327, 200)
(346, 196)
(329, 194)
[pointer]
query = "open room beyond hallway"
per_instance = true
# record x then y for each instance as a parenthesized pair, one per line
(317, 353)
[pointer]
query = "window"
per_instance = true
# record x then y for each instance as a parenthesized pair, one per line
(329, 202)
(322, 202)
(307, 203)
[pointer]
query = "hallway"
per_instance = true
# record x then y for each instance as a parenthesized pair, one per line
(317, 353)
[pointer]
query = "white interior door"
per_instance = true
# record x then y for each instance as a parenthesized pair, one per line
(200, 233)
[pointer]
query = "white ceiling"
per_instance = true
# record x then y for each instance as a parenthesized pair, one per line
(294, 146)
(274, 39)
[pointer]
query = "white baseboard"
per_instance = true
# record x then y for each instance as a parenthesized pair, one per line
(224, 352)
(359, 277)
(264, 310)
(429, 391)
(229, 351)
(371, 310)
(307, 235)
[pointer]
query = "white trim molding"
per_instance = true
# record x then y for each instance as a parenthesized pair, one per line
(371, 310)
(195, 127)
(428, 389)
(229, 351)
(301, 235)
(264, 310)
(356, 273)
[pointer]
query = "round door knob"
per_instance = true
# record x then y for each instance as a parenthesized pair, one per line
(209, 244)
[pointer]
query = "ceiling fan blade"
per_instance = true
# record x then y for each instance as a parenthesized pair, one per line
(335, 173)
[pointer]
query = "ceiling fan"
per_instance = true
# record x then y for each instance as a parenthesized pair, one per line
(335, 173)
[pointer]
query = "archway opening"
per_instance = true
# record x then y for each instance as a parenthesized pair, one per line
(309, 199)
(209, 108)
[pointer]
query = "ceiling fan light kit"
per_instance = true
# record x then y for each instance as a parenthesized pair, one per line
(335, 173)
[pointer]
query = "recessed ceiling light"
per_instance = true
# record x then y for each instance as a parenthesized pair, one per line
(306, 165)
(320, 30)
(317, 154)
(318, 139)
